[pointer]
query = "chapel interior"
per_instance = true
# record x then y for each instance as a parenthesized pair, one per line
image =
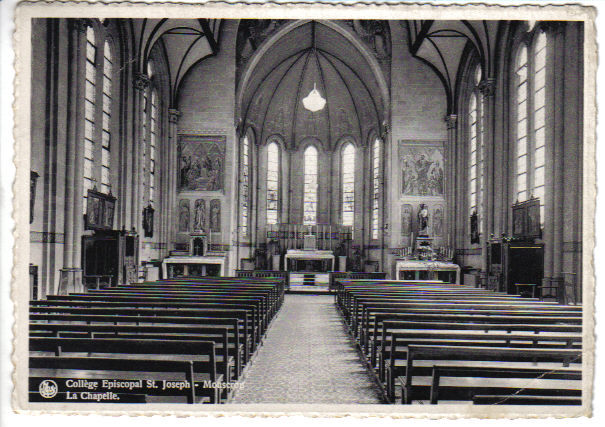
(314, 152)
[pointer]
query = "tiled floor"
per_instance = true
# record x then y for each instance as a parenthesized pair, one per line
(307, 357)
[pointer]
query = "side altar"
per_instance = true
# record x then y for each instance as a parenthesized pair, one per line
(422, 261)
(199, 261)
(407, 269)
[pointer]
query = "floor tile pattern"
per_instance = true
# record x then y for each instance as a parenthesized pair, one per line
(307, 357)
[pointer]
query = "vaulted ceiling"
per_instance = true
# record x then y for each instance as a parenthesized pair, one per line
(441, 44)
(307, 56)
(185, 42)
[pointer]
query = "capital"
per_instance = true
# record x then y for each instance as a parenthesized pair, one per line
(554, 27)
(141, 81)
(451, 120)
(488, 87)
(386, 128)
(80, 25)
(173, 115)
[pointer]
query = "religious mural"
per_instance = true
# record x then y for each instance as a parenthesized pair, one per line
(201, 162)
(215, 215)
(422, 170)
(184, 216)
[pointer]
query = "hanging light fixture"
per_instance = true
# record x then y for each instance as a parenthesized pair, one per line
(314, 102)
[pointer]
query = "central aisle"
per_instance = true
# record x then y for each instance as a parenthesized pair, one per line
(307, 357)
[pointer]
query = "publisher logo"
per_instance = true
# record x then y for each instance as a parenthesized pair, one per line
(48, 389)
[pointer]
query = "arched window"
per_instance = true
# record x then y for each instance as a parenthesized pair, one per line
(310, 187)
(145, 113)
(107, 106)
(521, 72)
(153, 138)
(90, 76)
(375, 186)
(100, 87)
(539, 119)
(245, 186)
(348, 184)
(476, 117)
(272, 183)
(531, 119)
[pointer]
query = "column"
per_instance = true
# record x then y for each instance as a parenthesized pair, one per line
(172, 167)
(488, 89)
(558, 121)
(451, 172)
(549, 203)
(141, 83)
(71, 273)
(572, 160)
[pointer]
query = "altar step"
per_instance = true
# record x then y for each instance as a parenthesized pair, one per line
(309, 282)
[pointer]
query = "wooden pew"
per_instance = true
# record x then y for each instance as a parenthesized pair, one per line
(182, 369)
(115, 320)
(202, 352)
(472, 353)
(526, 400)
(255, 304)
(164, 306)
(227, 351)
(372, 342)
(389, 368)
(466, 392)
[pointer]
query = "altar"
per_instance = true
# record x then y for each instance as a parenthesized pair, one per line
(193, 266)
(322, 260)
(406, 269)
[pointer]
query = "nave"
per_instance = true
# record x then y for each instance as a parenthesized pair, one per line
(307, 357)
(246, 341)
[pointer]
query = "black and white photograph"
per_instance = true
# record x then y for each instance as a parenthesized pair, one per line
(343, 210)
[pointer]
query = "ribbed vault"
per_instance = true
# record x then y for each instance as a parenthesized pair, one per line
(312, 55)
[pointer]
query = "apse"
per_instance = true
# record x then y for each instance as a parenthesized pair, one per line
(312, 57)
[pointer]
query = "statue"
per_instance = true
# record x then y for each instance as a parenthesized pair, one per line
(199, 222)
(184, 215)
(215, 215)
(356, 260)
(423, 220)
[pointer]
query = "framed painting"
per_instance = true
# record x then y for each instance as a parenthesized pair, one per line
(421, 165)
(201, 161)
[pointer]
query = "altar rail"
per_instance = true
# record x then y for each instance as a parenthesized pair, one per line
(335, 275)
(265, 274)
(291, 236)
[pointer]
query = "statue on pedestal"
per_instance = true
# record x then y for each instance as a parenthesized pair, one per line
(423, 220)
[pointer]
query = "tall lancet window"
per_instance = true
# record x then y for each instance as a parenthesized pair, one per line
(90, 88)
(153, 139)
(145, 110)
(476, 119)
(348, 184)
(521, 152)
(375, 186)
(539, 93)
(272, 183)
(107, 106)
(310, 187)
(245, 186)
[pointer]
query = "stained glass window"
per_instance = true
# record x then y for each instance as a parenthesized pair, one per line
(272, 183)
(90, 75)
(107, 105)
(375, 187)
(245, 186)
(310, 187)
(348, 184)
